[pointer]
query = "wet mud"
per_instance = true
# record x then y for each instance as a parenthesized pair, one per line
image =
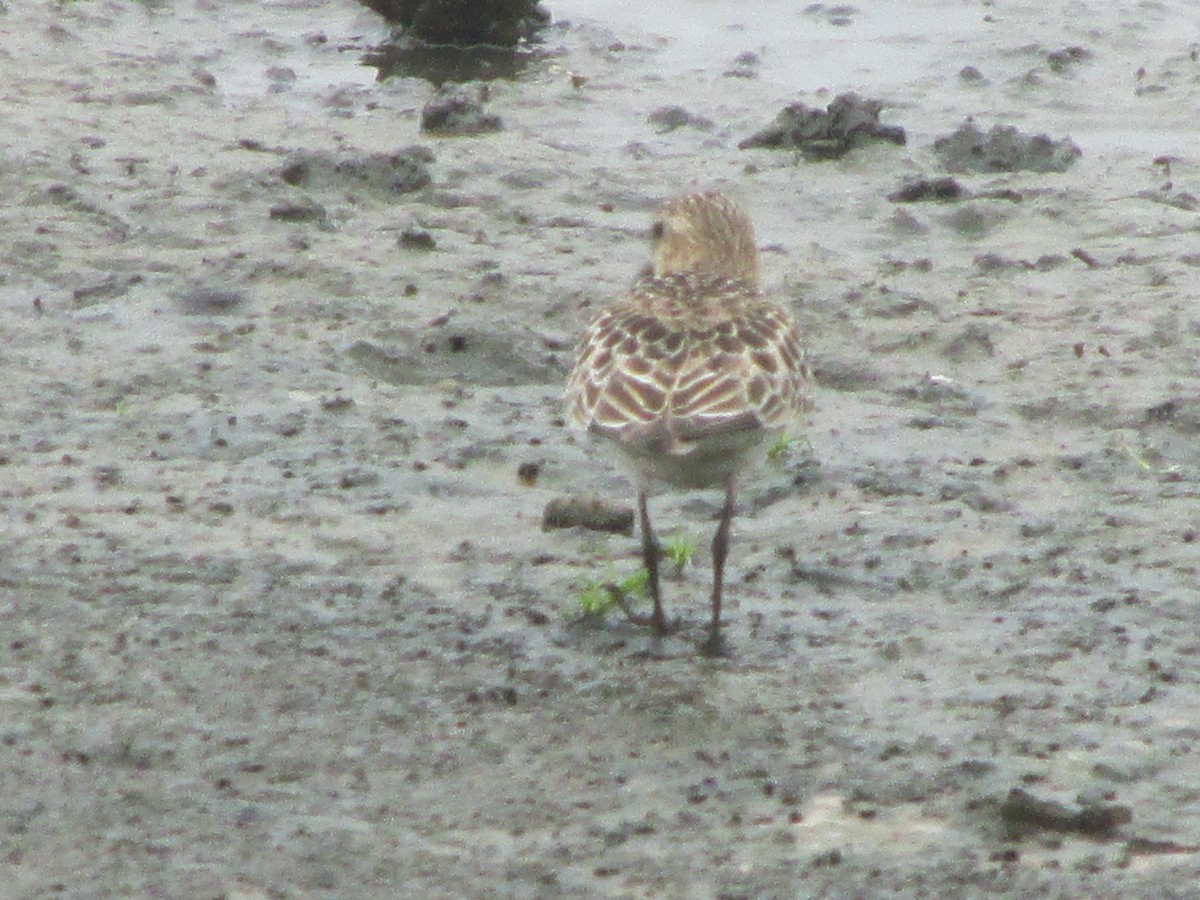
(281, 419)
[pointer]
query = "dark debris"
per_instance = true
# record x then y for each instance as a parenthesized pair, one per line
(1022, 812)
(1003, 149)
(849, 122)
(457, 112)
(587, 512)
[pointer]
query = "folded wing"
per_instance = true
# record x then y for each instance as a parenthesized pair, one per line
(647, 380)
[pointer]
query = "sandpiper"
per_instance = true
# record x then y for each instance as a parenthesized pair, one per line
(690, 372)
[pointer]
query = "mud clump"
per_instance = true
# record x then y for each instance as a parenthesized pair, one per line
(207, 301)
(497, 357)
(669, 118)
(849, 122)
(417, 239)
(920, 190)
(306, 210)
(745, 65)
(1181, 413)
(457, 112)
(947, 190)
(401, 172)
(592, 513)
(1003, 149)
(111, 288)
(464, 22)
(1063, 60)
(1021, 812)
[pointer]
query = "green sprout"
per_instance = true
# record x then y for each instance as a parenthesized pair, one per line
(789, 447)
(1148, 459)
(679, 549)
(597, 598)
(1139, 457)
(781, 448)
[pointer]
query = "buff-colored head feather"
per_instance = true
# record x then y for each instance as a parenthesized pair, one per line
(705, 235)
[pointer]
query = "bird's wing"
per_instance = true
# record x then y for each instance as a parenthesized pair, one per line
(650, 381)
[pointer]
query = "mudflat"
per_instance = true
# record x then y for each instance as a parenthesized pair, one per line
(282, 380)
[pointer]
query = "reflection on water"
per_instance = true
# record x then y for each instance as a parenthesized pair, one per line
(440, 63)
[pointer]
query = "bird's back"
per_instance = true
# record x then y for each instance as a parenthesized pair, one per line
(687, 373)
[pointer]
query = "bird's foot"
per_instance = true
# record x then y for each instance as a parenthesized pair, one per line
(655, 620)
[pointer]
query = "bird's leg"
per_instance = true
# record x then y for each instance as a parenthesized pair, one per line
(650, 553)
(720, 550)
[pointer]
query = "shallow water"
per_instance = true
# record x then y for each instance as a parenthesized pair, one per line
(883, 45)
